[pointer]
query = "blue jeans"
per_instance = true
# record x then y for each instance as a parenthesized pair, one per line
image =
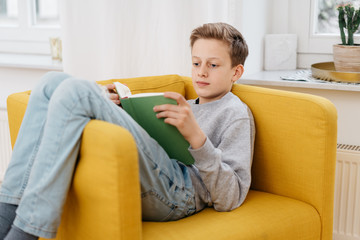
(46, 150)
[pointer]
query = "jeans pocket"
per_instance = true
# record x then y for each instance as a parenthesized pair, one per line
(156, 207)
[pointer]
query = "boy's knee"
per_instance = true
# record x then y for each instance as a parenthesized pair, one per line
(54, 78)
(71, 91)
(49, 82)
(77, 85)
(72, 88)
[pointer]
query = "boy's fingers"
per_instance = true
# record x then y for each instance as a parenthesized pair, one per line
(176, 96)
(167, 114)
(114, 96)
(111, 87)
(165, 107)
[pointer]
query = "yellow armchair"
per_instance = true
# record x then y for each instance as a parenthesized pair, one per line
(293, 173)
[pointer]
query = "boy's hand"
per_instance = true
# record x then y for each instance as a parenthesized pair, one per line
(182, 118)
(112, 94)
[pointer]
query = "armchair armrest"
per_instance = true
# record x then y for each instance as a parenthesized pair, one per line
(104, 199)
(16, 107)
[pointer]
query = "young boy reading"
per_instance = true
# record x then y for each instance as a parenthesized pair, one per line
(218, 126)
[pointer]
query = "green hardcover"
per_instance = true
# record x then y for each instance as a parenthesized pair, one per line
(140, 108)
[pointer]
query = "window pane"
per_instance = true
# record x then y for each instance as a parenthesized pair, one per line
(46, 13)
(8, 12)
(327, 16)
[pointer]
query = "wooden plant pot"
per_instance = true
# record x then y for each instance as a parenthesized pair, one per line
(346, 58)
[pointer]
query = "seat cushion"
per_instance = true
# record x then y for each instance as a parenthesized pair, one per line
(262, 216)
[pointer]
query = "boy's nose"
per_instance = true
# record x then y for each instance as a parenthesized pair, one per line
(202, 72)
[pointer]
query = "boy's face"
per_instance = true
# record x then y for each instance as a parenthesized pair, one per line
(212, 74)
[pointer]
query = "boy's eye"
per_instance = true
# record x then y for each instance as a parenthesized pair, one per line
(196, 64)
(213, 65)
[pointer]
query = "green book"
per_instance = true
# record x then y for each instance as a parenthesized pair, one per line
(140, 108)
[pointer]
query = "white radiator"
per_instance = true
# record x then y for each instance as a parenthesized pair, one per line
(5, 144)
(347, 193)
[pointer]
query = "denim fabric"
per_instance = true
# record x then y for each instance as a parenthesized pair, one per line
(46, 150)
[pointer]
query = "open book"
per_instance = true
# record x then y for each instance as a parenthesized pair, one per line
(140, 108)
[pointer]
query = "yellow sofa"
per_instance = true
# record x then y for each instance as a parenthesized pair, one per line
(291, 195)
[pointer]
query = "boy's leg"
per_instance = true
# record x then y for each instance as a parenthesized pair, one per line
(7, 216)
(29, 138)
(18, 234)
(166, 185)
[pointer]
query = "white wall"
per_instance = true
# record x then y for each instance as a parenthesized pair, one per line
(129, 39)
(255, 17)
(14, 80)
(278, 17)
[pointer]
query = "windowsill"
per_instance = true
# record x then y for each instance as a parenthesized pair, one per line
(29, 61)
(272, 78)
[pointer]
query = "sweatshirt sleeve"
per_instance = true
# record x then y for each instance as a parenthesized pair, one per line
(226, 169)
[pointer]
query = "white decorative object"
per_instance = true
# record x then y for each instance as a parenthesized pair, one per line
(280, 51)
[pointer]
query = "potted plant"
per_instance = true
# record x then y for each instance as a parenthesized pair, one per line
(347, 54)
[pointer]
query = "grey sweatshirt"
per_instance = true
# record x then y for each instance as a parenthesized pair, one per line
(221, 175)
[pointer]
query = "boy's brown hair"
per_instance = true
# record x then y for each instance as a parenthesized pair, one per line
(238, 48)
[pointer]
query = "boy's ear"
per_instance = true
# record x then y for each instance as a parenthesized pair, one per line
(239, 70)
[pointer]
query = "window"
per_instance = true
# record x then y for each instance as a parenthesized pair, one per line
(327, 16)
(27, 25)
(315, 44)
(46, 13)
(8, 12)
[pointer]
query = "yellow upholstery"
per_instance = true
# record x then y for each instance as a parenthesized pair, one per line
(262, 216)
(293, 173)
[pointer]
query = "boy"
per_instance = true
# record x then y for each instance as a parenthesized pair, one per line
(218, 126)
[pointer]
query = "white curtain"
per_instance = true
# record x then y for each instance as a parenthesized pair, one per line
(128, 38)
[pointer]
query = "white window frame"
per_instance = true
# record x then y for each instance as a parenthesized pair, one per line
(308, 41)
(26, 38)
(311, 47)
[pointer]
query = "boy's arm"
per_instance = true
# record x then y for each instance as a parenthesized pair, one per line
(226, 169)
